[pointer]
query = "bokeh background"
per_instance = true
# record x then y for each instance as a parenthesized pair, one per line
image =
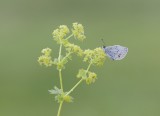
(130, 87)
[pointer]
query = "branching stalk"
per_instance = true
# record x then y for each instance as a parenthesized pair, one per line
(60, 78)
(60, 107)
(60, 50)
(61, 82)
(60, 74)
(74, 87)
(69, 36)
(66, 56)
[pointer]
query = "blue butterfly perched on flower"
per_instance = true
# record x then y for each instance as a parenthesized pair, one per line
(115, 52)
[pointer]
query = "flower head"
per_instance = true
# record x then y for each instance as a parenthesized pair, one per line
(74, 49)
(91, 77)
(60, 33)
(46, 51)
(68, 98)
(45, 59)
(78, 31)
(96, 56)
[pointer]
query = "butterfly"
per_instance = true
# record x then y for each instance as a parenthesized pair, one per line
(115, 52)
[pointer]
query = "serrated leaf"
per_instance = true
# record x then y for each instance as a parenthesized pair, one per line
(56, 90)
(53, 91)
(55, 61)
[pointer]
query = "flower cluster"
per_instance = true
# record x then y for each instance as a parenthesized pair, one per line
(45, 59)
(60, 33)
(96, 56)
(91, 77)
(86, 75)
(78, 31)
(74, 49)
(63, 60)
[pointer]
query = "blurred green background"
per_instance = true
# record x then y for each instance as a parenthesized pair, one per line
(130, 87)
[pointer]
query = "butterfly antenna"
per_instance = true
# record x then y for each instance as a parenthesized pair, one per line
(103, 43)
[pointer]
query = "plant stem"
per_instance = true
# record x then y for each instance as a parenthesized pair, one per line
(59, 109)
(69, 36)
(60, 71)
(66, 56)
(60, 78)
(88, 67)
(60, 50)
(74, 87)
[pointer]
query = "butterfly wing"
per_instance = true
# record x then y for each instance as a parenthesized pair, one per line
(116, 52)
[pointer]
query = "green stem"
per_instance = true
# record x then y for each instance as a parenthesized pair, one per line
(60, 74)
(69, 36)
(74, 87)
(89, 67)
(66, 56)
(59, 109)
(60, 50)
(60, 71)
(60, 77)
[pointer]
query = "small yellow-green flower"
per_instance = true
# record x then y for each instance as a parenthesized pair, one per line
(45, 60)
(96, 56)
(91, 77)
(67, 98)
(74, 49)
(78, 31)
(46, 51)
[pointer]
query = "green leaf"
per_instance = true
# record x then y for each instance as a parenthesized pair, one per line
(55, 91)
